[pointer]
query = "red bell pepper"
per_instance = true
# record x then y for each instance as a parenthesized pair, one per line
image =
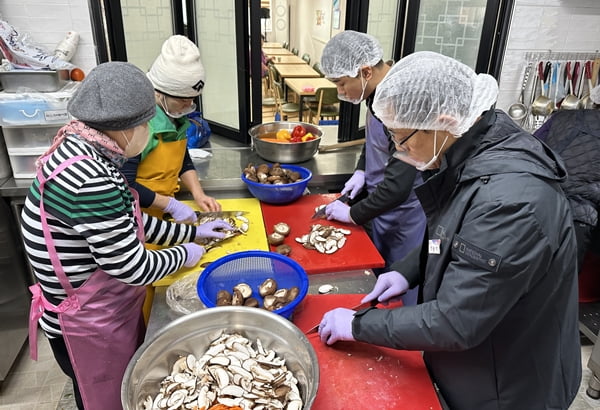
(298, 131)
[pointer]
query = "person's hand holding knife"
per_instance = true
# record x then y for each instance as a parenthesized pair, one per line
(336, 324)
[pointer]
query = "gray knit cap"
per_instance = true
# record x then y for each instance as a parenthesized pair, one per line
(114, 96)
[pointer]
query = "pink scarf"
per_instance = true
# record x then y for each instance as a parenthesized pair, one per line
(100, 141)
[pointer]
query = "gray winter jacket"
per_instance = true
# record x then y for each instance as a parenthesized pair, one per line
(498, 318)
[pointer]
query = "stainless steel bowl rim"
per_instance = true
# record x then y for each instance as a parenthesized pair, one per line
(181, 331)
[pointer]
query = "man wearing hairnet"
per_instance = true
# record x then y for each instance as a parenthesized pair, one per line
(497, 318)
(381, 188)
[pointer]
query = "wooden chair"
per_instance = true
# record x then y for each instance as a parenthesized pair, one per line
(284, 108)
(326, 106)
(317, 67)
(306, 57)
(268, 99)
(295, 51)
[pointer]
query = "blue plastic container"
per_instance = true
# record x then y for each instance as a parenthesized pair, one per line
(281, 193)
(253, 268)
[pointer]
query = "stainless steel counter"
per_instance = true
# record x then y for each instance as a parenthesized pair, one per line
(357, 281)
(220, 173)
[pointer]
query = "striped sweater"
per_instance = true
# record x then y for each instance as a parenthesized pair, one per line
(90, 215)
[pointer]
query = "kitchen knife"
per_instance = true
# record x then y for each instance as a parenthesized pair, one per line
(321, 212)
(361, 306)
(216, 214)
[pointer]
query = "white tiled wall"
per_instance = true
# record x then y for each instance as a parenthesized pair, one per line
(542, 26)
(47, 22)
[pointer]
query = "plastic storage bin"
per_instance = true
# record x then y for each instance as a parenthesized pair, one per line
(19, 109)
(30, 137)
(22, 161)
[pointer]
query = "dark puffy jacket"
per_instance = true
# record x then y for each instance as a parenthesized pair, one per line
(575, 136)
(498, 315)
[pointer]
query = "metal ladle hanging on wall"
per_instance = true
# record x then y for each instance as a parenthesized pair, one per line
(518, 111)
(542, 105)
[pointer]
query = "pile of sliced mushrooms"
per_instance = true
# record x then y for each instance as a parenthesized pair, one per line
(324, 238)
(233, 374)
(270, 175)
(273, 298)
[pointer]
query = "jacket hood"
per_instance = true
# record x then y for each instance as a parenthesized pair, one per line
(496, 150)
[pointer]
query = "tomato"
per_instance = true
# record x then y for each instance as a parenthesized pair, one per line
(77, 74)
(298, 131)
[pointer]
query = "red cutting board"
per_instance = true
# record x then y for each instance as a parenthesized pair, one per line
(359, 375)
(358, 252)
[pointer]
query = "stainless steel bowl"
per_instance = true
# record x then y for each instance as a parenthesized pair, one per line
(284, 153)
(193, 333)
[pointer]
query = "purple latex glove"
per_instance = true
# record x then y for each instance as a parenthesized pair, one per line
(354, 184)
(339, 211)
(336, 325)
(213, 229)
(180, 212)
(194, 253)
(388, 288)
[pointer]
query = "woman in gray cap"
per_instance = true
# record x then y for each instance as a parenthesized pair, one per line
(84, 236)
(497, 318)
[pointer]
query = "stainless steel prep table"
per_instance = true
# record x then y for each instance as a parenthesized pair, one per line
(356, 281)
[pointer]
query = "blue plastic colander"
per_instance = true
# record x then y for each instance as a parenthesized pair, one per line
(253, 268)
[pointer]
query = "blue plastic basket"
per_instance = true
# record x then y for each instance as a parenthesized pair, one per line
(253, 268)
(280, 193)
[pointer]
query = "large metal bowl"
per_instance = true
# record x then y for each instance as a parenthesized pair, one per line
(193, 333)
(283, 152)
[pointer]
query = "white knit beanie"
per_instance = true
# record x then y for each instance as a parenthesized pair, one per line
(178, 71)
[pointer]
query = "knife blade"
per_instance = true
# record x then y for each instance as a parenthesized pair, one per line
(321, 212)
(216, 214)
(358, 307)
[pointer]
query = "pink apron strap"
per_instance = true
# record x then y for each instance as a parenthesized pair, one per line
(38, 301)
(58, 269)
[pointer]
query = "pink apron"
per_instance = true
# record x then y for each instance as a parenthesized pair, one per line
(101, 321)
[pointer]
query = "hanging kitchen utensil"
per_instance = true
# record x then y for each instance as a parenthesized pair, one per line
(560, 84)
(542, 106)
(518, 111)
(570, 102)
(586, 101)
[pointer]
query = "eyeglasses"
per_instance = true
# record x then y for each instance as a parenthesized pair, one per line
(391, 135)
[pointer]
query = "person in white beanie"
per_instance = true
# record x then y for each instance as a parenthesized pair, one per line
(177, 76)
(497, 317)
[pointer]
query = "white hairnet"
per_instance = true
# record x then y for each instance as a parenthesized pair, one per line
(346, 52)
(429, 91)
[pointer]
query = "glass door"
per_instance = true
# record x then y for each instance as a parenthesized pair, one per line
(216, 38)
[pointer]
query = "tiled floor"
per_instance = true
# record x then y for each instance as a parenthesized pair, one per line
(42, 386)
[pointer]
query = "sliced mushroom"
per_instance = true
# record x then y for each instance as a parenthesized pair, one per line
(276, 239)
(284, 249)
(282, 228)
(244, 289)
(268, 287)
(237, 299)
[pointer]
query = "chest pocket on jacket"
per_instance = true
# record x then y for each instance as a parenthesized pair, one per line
(463, 249)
